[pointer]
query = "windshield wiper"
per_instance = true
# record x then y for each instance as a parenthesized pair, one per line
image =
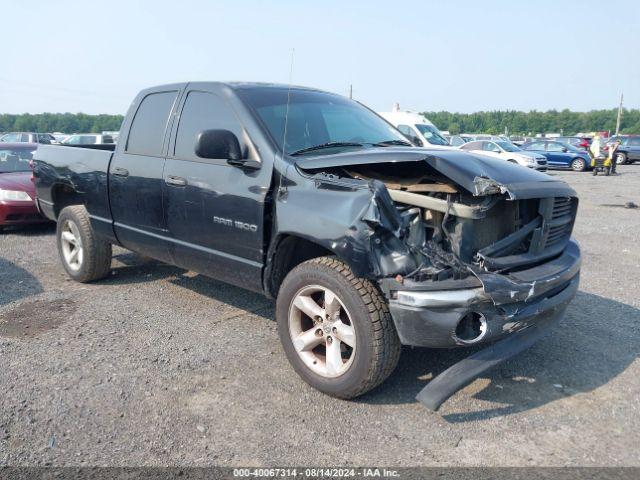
(386, 143)
(326, 145)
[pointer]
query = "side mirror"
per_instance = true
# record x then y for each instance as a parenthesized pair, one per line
(565, 149)
(218, 144)
(417, 142)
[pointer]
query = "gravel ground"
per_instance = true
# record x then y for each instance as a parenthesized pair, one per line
(159, 366)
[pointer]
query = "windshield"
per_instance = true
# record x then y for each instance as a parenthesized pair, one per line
(508, 146)
(431, 134)
(316, 119)
(15, 160)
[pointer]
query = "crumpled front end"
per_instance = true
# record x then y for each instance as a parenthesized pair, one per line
(462, 256)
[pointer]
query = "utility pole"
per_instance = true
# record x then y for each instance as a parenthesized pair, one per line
(351, 91)
(619, 115)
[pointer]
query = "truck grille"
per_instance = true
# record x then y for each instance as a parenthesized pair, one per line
(559, 222)
(548, 221)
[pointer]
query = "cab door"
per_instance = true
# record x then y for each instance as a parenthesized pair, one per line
(136, 181)
(214, 210)
(633, 148)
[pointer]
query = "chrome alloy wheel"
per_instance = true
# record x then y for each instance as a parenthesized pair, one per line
(321, 331)
(71, 245)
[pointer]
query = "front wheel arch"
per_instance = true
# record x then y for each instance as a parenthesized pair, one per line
(378, 345)
(286, 252)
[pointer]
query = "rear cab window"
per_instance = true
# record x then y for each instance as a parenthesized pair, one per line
(146, 135)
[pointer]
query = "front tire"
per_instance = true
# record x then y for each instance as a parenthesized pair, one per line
(335, 328)
(84, 256)
(621, 158)
(578, 165)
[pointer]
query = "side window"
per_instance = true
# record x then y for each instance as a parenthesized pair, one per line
(203, 111)
(490, 147)
(24, 137)
(554, 147)
(11, 137)
(87, 139)
(411, 134)
(406, 130)
(149, 124)
(633, 141)
(456, 141)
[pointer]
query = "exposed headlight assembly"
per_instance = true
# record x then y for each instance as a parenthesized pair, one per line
(14, 195)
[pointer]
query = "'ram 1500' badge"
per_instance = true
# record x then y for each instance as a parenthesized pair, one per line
(236, 223)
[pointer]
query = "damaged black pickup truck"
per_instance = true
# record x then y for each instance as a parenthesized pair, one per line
(366, 242)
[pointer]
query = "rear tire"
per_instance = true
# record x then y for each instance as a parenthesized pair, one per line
(578, 165)
(368, 350)
(85, 256)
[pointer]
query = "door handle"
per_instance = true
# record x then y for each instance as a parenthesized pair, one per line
(176, 181)
(121, 172)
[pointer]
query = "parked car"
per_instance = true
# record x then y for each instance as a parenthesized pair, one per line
(628, 150)
(560, 155)
(486, 136)
(17, 190)
(509, 152)
(60, 137)
(28, 137)
(416, 128)
(520, 140)
(366, 242)
(87, 139)
(578, 142)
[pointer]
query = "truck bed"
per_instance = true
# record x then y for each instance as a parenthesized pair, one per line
(81, 169)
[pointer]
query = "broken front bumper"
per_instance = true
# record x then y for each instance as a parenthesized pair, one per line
(428, 314)
(518, 306)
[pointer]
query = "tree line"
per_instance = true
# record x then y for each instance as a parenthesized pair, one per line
(533, 122)
(524, 123)
(59, 122)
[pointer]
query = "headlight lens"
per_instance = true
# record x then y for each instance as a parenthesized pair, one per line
(14, 195)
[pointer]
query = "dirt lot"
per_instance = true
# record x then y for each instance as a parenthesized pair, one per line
(159, 366)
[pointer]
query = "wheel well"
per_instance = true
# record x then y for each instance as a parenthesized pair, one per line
(289, 252)
(63, 196)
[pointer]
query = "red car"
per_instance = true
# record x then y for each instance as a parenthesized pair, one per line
(17, 190)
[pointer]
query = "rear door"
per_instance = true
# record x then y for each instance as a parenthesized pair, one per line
(214, 211)
(633, 147)
(556, 157)
(135, 177)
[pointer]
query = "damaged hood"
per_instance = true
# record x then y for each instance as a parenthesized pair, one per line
(478, 174)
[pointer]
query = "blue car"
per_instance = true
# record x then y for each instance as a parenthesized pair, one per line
(560, 155)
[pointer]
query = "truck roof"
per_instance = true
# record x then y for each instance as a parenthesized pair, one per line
(237, 86)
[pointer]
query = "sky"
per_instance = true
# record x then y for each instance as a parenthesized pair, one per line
(459, 56)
